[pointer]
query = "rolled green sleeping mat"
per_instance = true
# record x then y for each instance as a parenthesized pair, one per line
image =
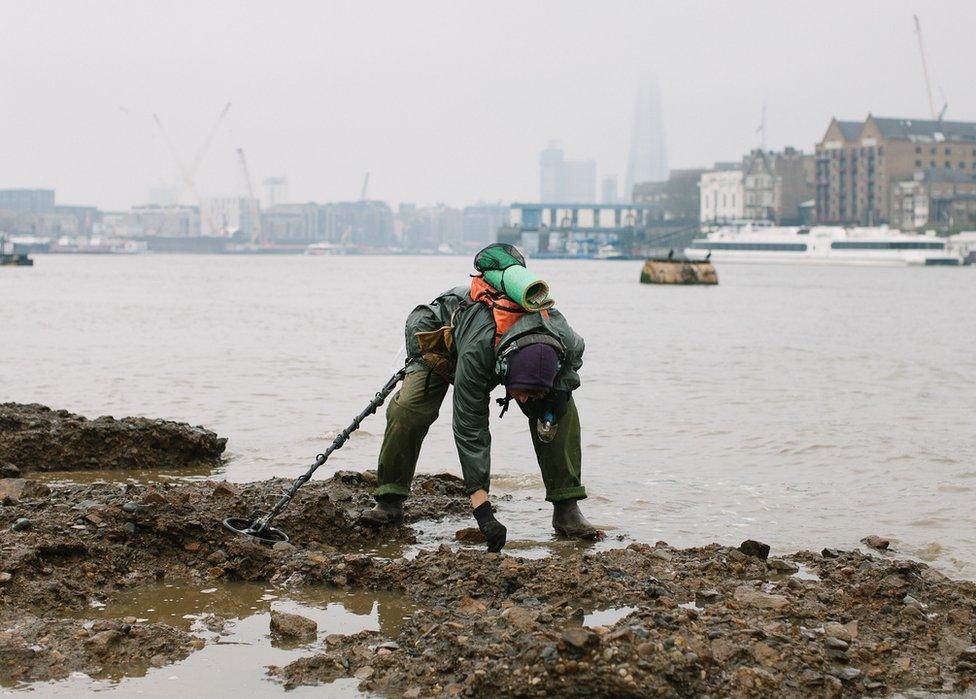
(522, 286)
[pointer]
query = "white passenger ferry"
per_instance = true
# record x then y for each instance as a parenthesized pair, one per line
(823, 245)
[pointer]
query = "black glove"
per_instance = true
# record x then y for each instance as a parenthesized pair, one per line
(493, 530)
(555, 402)
(558, 402)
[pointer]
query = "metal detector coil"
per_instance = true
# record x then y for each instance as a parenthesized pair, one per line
(260, 528)
(266, 535)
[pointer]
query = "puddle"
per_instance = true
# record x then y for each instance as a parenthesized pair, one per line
(527, 538)
(804, 573)
(606, 617)
(185, 606)
(136, 476)
(234, 621)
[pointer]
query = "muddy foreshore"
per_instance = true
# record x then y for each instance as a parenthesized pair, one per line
(35, 438)
(710, 621)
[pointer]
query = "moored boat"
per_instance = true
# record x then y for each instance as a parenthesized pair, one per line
(824, 245)
(9, 258)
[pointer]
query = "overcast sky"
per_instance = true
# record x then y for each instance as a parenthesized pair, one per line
(441, 101)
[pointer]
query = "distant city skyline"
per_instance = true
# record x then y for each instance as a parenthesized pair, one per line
(454, 110)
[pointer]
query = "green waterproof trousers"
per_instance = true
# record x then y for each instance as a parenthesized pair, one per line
(414, 409)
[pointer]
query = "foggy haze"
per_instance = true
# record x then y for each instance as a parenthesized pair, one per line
(441, 101)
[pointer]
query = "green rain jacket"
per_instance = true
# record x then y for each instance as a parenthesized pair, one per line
(476, 373)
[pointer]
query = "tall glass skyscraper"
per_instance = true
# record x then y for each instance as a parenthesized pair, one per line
(648, 160)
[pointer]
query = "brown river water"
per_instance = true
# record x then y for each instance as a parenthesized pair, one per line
(802, 406)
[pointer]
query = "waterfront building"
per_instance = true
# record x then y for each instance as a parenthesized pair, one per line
(27, 201)
(86, 217)
(428, 228)
(676, 199)
(356, 223)
(648, 157)
(226, 217)
(34, 212)
(151, 221)
(291, 223)
(565, 180)
(937, 198)
(722, 194)
(859, 164)
(480, 222)
(579, 229)
(775, 185)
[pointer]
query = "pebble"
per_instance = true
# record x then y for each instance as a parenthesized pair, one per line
(293, 625)
(876, 542)
(470, 535)
(579, 637)
(836, 644)
(760, 600)
(131, 507)
(129, 528)
(839, 631)
(21, 525)
(831, 553)
(754, 548)
(661, 554)
(226, 489)
(781, 566)
(5, 578)
(848, 674)
(911, 611)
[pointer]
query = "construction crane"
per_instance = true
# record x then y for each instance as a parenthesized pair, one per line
(188, 172)
(184, 170)
(257, 235)
(364, 192)
(925, 71)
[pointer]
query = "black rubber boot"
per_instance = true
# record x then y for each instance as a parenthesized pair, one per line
(567, 520)
(388, 510)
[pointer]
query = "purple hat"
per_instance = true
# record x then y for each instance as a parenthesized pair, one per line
(532, 368)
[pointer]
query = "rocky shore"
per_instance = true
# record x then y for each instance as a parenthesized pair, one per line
(709, 621)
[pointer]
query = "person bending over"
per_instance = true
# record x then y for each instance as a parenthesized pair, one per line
(476, 338)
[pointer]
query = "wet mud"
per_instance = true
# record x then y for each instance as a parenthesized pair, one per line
(37, 438)
(113, 578)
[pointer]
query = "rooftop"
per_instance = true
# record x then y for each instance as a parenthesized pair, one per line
(926, 130)
(850, 129)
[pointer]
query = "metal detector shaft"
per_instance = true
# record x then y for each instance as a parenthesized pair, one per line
(262, 523)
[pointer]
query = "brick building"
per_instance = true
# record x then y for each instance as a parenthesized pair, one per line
(935, 198)
(676, 199)
(859, 164)
(776, 185)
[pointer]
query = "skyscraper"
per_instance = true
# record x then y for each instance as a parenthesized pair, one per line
(648, 161)
(562, 180)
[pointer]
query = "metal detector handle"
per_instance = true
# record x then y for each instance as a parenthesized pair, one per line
(337, 443)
